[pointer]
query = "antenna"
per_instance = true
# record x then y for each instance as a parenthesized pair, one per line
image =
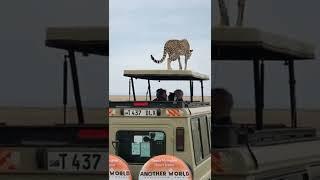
(147, 93)
(129, 89)
(241, 7)
(65, 88)
(224, 17)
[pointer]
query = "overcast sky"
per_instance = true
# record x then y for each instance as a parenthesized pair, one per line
(294, 18)
(30, 73)
(140, 28)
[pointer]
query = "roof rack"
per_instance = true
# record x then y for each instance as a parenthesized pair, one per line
(166, 75)
(175, 75)
(250, 44)
(86, 40)
(240, 43)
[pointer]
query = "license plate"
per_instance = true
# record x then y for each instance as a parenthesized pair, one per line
(140, 112)
(77, 161)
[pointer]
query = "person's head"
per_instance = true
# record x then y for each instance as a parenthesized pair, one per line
(161, 94)
(171, 96)
(179, 94)
(222, 102)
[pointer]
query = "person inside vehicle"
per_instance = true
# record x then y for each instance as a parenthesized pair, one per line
(222, 106)
(171, 96)
(161, 95)
(178, 95)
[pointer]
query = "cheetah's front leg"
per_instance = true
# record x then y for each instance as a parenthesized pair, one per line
(180, 65)
(185, 63)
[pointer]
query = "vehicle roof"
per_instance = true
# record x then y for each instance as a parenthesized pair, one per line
(239, 43)
(165, 74)
(85, 39)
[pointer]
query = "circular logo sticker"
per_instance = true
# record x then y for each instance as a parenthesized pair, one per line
(118, 168)
(165, 167)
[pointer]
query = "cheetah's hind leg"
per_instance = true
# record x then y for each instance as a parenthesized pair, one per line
(169, 64)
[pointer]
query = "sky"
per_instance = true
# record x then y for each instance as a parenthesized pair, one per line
(30, 73)
(140, 28)
(293, 18)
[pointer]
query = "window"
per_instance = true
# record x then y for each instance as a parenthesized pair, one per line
(195, 128)
(201, 138)
(140, 146)
(204, 137)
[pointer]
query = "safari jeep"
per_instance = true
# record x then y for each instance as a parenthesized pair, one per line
(76, 151)
(181, 129)
(263, 151)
